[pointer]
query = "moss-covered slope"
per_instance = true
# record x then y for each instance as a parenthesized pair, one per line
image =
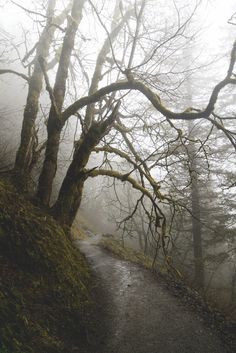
(43, 281)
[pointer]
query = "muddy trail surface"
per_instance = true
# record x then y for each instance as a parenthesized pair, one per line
(139, 315)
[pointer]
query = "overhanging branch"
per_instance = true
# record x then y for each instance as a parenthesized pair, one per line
(121, 177)
(188, 114)
(159, 219)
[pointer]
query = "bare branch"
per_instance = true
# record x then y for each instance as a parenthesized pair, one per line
(108, 35)
(219, 126)
(139, 18)
(121, 177)
(29, 11)
(48, 86)
(7, 71)
(101, 59)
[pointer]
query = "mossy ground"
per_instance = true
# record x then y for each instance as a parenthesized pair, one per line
(44, 298)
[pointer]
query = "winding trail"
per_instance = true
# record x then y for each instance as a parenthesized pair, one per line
(141, 315)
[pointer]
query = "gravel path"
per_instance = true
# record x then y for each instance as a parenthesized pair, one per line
(141, 316)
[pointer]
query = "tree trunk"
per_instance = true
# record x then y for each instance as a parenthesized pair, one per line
(50, 162)
(70, 194)
(233, 288)
(68, 203)
(54, 122)
(199, 271)
(196, 219)
(26, 149)
(197, 236)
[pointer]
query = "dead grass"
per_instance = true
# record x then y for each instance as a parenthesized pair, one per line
(126, 253)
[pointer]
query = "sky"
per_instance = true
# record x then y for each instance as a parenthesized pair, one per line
(214, 15)
(211, 19)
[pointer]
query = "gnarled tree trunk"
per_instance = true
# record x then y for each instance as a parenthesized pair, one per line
(70, 194)
(26, 149)
(50, 162)
(54, 122)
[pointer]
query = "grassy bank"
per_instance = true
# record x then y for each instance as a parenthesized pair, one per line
(126, 253)
(44, 298)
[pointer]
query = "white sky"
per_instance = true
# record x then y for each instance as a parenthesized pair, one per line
(214, 15)
(212, 19)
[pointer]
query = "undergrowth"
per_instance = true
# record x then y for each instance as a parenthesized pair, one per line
(43, 281)
(126, 253)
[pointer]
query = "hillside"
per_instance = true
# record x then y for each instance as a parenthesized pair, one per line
(44, 296)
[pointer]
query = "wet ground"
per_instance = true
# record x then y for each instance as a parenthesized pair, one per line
(139, 315)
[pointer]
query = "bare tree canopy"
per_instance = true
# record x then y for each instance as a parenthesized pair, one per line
(117, 74)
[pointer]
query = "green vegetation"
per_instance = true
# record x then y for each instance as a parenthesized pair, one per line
(44, 298)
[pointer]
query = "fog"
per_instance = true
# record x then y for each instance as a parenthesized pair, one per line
(184, 168)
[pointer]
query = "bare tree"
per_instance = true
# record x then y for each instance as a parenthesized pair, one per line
(126, 73)
(25, 151)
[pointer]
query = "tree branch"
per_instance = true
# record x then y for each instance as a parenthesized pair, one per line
(48, 86)
(189, 114)
(6, 71)
(121, 177)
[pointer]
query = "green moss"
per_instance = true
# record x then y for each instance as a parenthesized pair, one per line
(44, 280)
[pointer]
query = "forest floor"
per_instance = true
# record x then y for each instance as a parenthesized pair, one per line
(139, 312)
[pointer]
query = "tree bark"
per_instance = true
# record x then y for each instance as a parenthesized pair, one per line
(196, 219)
(199, 271)
(50, 163)
(197, 236)
(70, 194)
(233, 287)
(25, 152)
(55, 123)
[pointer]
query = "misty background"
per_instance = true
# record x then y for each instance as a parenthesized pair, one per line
(193, 162)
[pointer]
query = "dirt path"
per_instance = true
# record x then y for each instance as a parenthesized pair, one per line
(141, 315)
